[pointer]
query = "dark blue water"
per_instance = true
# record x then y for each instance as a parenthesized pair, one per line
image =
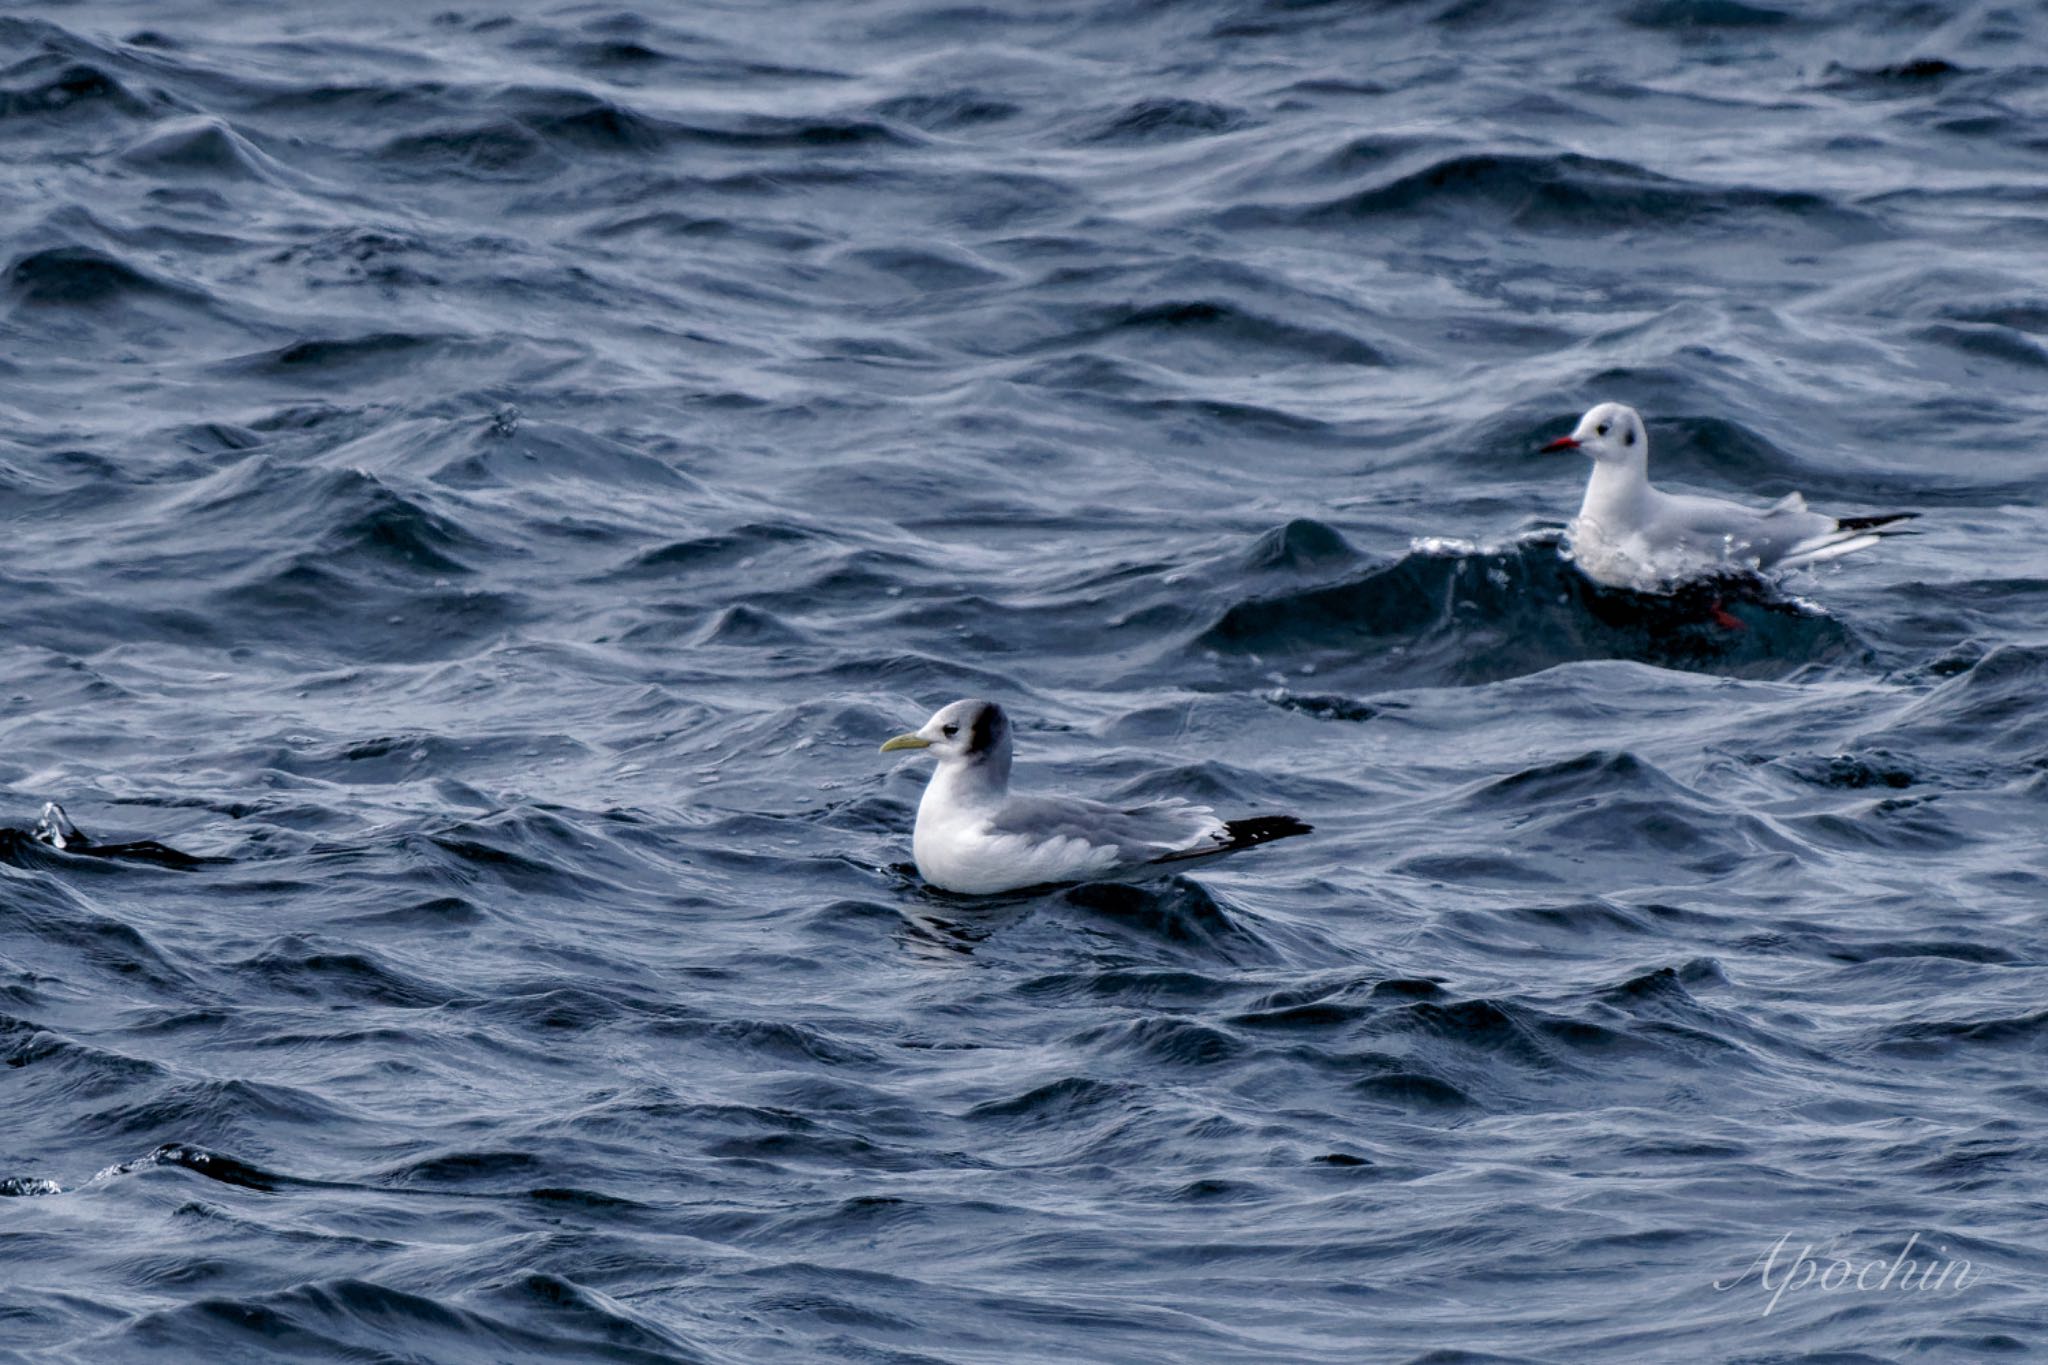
(496, 473)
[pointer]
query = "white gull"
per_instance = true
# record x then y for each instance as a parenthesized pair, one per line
(1631, 535)
(975, 838)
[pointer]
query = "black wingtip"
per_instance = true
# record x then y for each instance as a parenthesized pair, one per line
(1263, 829)
(1872, 523)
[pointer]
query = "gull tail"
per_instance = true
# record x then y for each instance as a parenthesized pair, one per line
(1235, 835)
(1849, 535)
(1873, 523)
(1263, 829)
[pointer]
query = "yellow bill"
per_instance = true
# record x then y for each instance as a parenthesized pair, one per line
(906, 742)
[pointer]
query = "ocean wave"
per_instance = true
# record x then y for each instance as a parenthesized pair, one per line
(1567, 193)
(1471, 616)
(500, 476)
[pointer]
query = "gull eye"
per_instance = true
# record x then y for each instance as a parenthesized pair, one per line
(950, 731)
(1629, 439)
(1600, 430)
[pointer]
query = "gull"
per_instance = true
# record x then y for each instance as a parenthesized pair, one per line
(974, 838)
(1630, 535)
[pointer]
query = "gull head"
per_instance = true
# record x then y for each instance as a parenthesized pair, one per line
(972, 731)
(1611, 433)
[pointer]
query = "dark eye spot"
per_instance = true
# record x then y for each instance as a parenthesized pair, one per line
(950, 731)
(1600, 430)
(1629, 439)
(988, 730)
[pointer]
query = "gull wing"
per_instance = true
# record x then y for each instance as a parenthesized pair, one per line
(1137, 834)
(1094, 839)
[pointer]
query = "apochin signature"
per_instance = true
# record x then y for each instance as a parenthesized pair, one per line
(1834, 1274)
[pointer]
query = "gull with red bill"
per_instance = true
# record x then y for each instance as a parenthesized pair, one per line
(1631, 535)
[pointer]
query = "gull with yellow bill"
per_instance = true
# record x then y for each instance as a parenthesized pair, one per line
(975, 838)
